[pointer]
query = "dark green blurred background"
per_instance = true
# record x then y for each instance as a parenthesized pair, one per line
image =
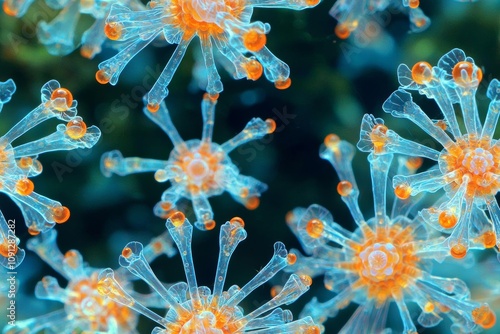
(334, 82)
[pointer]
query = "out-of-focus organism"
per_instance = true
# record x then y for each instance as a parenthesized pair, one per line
(196, 169)
(58, 35)
(19, 164)
(468, 165)
(386, 259)
(363, 20)
(84, 308)
(198, 309)
(222, 24)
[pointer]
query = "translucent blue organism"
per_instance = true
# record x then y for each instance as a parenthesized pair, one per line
(198, 309)
(85, 310)
(58, 35)
(386, 259)
(468, 165)
(196, 169)
(19, 164)
(223, 25)
(363, 19)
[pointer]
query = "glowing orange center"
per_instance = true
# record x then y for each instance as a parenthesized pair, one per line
(475, 159)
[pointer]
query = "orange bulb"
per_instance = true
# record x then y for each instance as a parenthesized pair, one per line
(447, 219)
(76, 128)
(177, 218)
(209, 224)
(468, 69)
(127, 252)
(253, 68)
(331, 141)
(254, 40)
(102, 77)
(484, 316)
(489, 239)
(402, 191)
(291, 259)
(283, 84)
(113, 30)
(458, 251)
(252, 203)
(344, 188)
(414, 3)
(271, 125)
(421, 72)
(153, 107)
(60, 214)
(65, 94)
(24, 187)
(342, 31)
(237, 220)
(315, 228)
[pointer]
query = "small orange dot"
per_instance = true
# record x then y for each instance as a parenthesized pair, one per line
(469, 69)
(344, 188)
(60, 214)
(76, 128)
(33, 231)
(153, 107)
(421, 72)
(331, 141)
(307, 280)
(65, 94)
(113, 30)
(484, 316)
(342, 31)
(458, 251)
(177, 218)
(414, 162)
(290, 217)
(447, 219)
(102, 77)
(429, 307)
(275, 290)
(25, 162)
(489, 239)
(252, 203)
(24, 187)
(127, 252)
(291, 259)
(442, 124)
(71, 259)
(414, 3)
(271, 125)
(211, 97)
(237, 220)
(402, 191)
(244, 192)
(254, 40)
(209, 224)
(253, 68)
(315, 228)
(283, 84)
(166, 205)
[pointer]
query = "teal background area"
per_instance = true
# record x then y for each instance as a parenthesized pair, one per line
(334, 82)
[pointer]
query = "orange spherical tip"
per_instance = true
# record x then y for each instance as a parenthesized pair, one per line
(25, 162)
(127, 252)
(76, 128)
(86, 52)
(165, 205)
(311, 2)
(9, 11)
(414, 3)
(209, 224)
(447, 219)
(102, 77)
(331, 141)
(484, 316)
(33, 231)
(402, 191)
(463, 74)
(283, 84)
(314, 228)
(153, 107)
(428, 307)
(421, 72)
(420, 22)
(313, 330)
(271, 125)
(254, 40)
(6, 248)
(24, 187)
(211, 97)
(442, 124)
(458, 251)
(60, 214)
(414, 162)
(489, 239)
(342, 31)
(275, 290)
(254, 69)
(252, 203)
(177, 218)
(113, 30)
(306, 279)
(344, 188)
(291, 259)
(237, 220)
(64, 94)
(71, 259)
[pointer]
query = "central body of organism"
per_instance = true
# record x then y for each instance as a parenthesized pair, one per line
(197, 169)
(223, 28)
